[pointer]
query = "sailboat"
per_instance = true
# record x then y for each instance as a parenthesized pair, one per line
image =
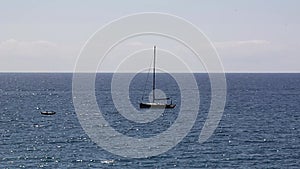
(155, 104)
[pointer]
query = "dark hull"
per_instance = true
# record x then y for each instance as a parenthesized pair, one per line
(48, 112)
(156, 105)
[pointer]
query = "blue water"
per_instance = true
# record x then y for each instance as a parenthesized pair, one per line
(260, 127)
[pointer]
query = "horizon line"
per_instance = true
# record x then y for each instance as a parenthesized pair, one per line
(146, 72)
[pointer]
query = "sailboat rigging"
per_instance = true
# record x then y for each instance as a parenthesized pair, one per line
(154, 104)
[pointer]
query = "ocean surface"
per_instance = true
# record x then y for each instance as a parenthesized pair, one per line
(260, 127)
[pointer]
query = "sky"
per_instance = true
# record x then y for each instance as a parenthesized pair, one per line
(249, 35)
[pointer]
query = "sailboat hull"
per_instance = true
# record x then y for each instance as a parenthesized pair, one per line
(156, 105)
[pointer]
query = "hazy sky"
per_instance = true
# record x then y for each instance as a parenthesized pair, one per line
(250, 35)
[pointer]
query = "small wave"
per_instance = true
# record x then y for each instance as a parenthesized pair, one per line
(107, 161)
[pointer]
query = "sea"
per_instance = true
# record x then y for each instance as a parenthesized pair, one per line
(259, 128)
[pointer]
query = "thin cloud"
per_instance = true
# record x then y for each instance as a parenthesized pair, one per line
(38, 55)
(233, 44)
(12, 47)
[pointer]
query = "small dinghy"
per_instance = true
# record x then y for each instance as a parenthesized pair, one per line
(48, 112)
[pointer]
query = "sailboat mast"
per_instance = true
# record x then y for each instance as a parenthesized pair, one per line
(153, 85)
